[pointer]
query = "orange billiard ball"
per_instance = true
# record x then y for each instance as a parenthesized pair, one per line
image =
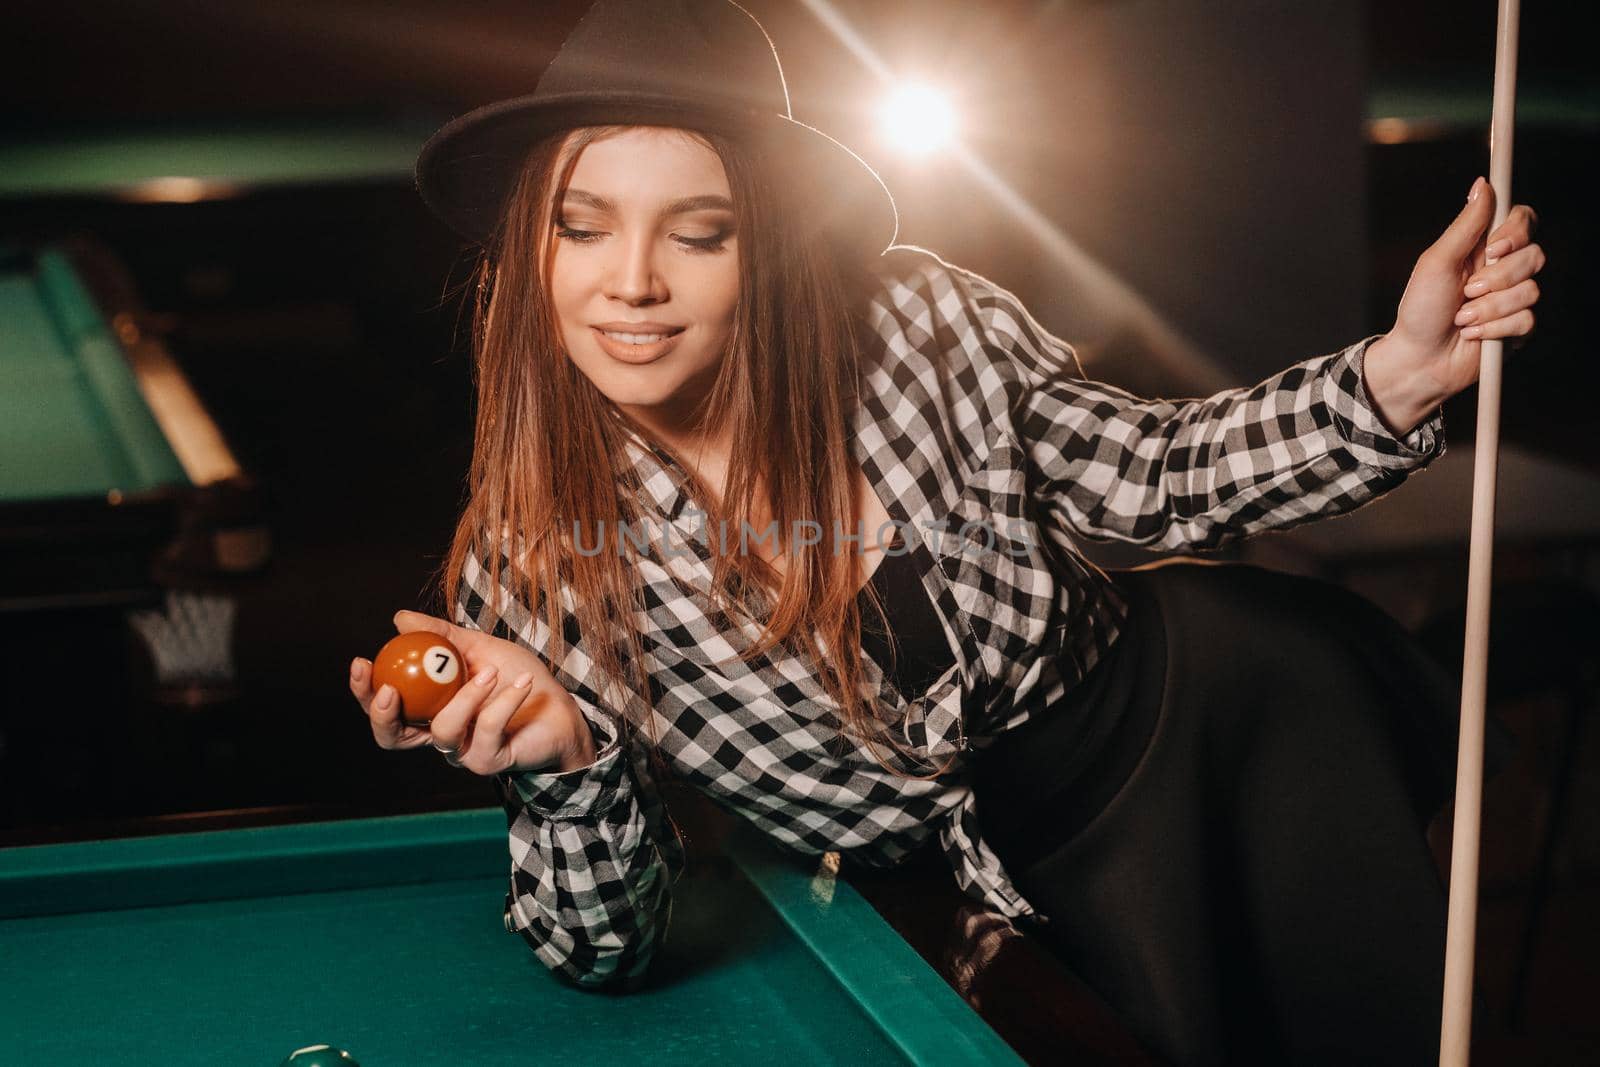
(425, 670)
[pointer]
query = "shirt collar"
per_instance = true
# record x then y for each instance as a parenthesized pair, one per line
(655, 470)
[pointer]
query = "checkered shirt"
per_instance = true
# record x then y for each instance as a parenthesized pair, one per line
(994, 454)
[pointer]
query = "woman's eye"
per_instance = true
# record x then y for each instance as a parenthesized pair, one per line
(712, 243)
(580, 236)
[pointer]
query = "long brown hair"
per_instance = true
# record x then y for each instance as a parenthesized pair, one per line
(548, 444)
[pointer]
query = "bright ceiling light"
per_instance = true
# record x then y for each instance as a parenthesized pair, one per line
(918, 120)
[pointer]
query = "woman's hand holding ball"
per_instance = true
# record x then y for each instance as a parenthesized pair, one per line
(498, 709)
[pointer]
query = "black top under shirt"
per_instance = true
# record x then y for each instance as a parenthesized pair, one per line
(921, 653)
(1059, 769)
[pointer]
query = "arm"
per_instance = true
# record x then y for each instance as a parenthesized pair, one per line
(591, 859)
(1192, 474)
(1320, 439)
(591, 868)
(1196, 474)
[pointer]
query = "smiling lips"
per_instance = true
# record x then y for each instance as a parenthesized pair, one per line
(637, 342)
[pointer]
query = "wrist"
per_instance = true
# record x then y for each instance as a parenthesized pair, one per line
(580, 754)
(1400, 395)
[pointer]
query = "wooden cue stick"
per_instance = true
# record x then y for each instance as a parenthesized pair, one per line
(1455, 1028)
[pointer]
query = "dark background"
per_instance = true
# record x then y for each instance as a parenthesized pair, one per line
(1217, 190)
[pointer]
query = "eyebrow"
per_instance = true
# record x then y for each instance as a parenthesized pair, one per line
(680, 206)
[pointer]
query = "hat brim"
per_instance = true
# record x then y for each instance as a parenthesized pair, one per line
(466, 170)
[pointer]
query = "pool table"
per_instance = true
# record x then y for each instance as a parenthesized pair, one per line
(113, 467)
(384, 936)
(186, 162)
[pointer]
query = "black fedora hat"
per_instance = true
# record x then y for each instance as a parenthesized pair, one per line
(697, 64)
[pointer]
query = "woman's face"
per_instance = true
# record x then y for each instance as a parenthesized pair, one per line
(645, 271)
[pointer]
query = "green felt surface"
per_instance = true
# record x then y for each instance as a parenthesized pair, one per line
(115, 955)
(231, 158)
(72, 420)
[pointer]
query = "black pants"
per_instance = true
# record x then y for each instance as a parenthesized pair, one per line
(1224, 823)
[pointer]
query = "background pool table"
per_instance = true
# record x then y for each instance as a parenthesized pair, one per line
(111, 458)
(385, 937)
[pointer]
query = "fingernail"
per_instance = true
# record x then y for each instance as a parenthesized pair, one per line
(1474, 288)
(1496, 250)
(485, 676)
(1465, 315)
(1472, 194)
(385, 697)
(1472, 333)
(356, 669)
(523, 680)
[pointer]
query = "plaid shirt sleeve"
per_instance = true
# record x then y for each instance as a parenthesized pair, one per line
(1195, 474)
(591, 860)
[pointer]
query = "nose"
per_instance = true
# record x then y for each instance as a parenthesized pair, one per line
(635, 278)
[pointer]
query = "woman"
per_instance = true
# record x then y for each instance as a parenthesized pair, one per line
(699, 372)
